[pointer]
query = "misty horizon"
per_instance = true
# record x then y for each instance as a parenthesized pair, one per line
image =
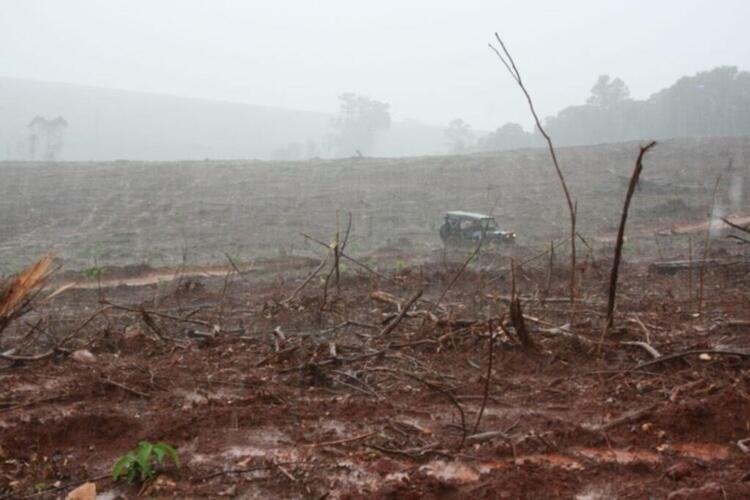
(429, 62)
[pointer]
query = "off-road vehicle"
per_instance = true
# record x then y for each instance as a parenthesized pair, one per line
(465, 228)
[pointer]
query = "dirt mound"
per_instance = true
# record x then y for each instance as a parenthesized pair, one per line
(720, 418)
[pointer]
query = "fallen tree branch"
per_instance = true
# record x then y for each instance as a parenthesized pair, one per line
(393, 324)
(646, 347)
(8, 355)
(306, 282)
(487, 436)
(735, 226)
(437, 388)
(125, 388)
(343, 441)
(627, 417)
(682, 354)
(158, 314)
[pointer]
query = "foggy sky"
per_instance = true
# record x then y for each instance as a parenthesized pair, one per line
(427, 58)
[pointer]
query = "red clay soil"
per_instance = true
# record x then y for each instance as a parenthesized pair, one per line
(266, 397)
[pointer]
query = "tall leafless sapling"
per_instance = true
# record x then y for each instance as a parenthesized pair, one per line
(510, 65)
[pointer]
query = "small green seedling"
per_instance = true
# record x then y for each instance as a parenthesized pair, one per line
(138, 464)
(93, 272)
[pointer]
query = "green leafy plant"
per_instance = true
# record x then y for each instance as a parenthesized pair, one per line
(140, 464)
(93, 272)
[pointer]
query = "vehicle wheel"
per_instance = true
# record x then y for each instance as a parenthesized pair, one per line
(444, 234)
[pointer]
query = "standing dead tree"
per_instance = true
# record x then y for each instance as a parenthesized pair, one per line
(707, 244)
(621, 233)
(510, 65)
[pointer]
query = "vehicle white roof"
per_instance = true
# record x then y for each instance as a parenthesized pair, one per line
(468, 215)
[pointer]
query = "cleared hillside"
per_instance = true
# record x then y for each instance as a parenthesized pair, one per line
(134, 212)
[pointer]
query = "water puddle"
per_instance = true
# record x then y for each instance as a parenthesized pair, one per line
(700, 451)
(451, 471)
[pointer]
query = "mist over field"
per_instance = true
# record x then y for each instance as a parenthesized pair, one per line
(393, 249)
(265, 80)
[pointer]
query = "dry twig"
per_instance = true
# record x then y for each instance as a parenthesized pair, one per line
(707, 245)
(393, 324)
(486, 393)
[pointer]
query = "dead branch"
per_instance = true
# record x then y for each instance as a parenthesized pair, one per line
(393, 324)
(8, 355)
(386, 298)
(519, 325)
(125, 388)
(151, 324)
(646, 331)
(516, 75)
(682, 354)
(227, 283)
(158, 314)
(740, 239)
(487, 436)
(735, 226)
(336, 247)
(486, 393)
(538, 256)
(645, 346)
(516, 315)
(627, 417)
(549, 270)
(256, 468)
(707, 245)
(349, 258)
(306, 282)
(411, 453)
(690, 269)
(621, 233)
(458, 275)
(344, 441)
(437, 388)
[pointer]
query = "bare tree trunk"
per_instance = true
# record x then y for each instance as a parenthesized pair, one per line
(621, 232)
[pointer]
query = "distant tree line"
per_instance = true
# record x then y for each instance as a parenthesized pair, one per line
(354, 130)
(711, 103)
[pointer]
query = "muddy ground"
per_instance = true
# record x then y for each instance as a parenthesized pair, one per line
(271, 385)
(266, 397)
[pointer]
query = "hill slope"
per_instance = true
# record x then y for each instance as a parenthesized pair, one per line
(107, 124)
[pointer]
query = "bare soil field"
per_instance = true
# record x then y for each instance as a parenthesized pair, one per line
(405, 377)
(170, 214)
